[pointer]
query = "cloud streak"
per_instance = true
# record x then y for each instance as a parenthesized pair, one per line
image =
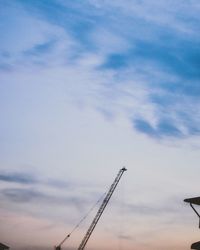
(157, 56)
(18, 178)
(30, 179)
(22, 195)
(167, 62)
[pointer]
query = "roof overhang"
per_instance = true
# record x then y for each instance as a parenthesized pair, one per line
(195, 200)
(196, 245)
(3, 246)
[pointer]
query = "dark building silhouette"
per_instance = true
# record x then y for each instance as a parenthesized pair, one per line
(192, 202)
(196, 245)
(3, 247)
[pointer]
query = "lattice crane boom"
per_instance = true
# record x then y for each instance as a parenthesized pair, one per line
(101, 209)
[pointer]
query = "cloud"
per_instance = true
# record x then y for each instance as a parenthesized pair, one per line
(39, 49)
(30, 179)
(148, 210)
(18, 178)
(163, 129)
(37, 42)
(49, 188)
(27, 195)
(181, 59)
(168, 14)
(37, 196)
(21, 195)
(5, 67)
(168, 212)
(144, 127)
(134, 58)
(125, 237)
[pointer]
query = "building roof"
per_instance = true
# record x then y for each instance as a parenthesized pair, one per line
(2, 246)
(195, 200)
(196, 245)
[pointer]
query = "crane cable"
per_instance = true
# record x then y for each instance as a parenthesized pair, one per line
(80, 222)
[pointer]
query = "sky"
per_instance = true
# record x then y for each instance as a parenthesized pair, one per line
(87, 87)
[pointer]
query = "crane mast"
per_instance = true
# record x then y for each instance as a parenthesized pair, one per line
(101, 209)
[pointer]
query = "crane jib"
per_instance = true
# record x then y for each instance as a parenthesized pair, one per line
(101, 209)
(98, 214)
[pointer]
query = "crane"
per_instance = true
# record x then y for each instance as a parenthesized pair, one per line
(101, 209)
(99, 212)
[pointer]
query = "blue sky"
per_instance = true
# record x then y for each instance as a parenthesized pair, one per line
(85, 88)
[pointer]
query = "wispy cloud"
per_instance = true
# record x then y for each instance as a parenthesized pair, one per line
(18, 178)
(27, 195)
(149, 210)
(163, 129)
(31, 179)
(40, 49)
(22, 188)
(148, 41)
(125, 237)
(21, 195)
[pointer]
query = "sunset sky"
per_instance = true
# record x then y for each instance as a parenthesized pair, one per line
(87, 87)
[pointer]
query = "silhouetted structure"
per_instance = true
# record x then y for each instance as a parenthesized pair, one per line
(3, 247)
(196, 245)
(194, 201)
(98, 215)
